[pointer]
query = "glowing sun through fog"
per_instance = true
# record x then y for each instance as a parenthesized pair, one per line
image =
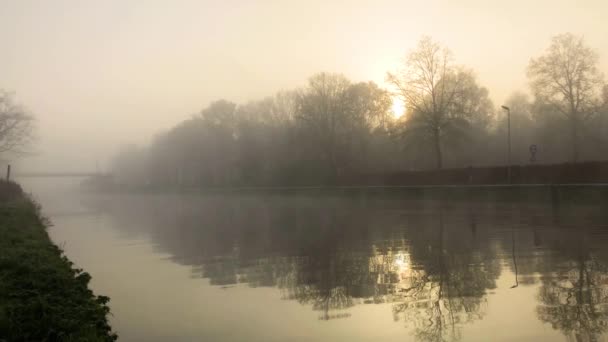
(398, 107)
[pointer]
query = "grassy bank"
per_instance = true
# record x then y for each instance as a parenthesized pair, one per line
(43, 297)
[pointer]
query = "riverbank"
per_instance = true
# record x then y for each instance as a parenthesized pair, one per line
(556, 194)
(43, 297)
(591, 174)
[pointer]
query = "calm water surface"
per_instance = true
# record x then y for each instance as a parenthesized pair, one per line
(302, 268)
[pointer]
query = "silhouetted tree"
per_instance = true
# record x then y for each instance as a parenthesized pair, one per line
(322, 111)
(337, 117)
(443, 100)
(334, 131)
(16, 125)
(567, 80)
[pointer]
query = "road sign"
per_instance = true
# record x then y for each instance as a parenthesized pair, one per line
(533, 150)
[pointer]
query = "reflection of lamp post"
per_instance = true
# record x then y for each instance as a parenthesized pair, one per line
(514, 260)
(508, 141)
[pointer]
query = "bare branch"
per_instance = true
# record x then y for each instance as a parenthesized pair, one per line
(16, 126)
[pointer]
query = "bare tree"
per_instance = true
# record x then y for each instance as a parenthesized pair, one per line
(566, 78)
(339, 116)
(370, 105)
(16, 125)
(284, 107)
(439, 96)
(322, 108)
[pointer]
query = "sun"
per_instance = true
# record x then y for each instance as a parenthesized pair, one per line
(398, 107)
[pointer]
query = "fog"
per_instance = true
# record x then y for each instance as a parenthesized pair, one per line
(102, 74)
(304, 170)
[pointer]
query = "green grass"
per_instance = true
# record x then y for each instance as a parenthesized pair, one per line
(43, 297)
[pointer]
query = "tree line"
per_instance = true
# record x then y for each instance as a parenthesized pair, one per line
(334, 127)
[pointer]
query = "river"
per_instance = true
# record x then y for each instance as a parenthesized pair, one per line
(334, 268)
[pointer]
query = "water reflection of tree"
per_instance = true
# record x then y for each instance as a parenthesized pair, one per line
(449, 288)
(574, 299)
(325, 287)
(328, 269)
(331, 255)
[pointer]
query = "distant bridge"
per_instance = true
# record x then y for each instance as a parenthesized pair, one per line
(60, 174)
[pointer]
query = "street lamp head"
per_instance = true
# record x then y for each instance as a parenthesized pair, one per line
(505, 108)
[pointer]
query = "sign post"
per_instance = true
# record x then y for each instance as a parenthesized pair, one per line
(533, 150)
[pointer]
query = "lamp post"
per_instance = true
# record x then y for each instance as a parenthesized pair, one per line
(508, 142)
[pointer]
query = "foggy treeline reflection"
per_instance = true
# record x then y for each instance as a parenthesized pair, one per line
(434, 262)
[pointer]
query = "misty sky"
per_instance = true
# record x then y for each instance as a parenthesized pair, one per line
(100, 74)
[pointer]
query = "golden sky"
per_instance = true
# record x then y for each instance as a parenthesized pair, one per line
(99, 74)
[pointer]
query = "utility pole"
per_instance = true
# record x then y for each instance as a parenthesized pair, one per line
(508, 142)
